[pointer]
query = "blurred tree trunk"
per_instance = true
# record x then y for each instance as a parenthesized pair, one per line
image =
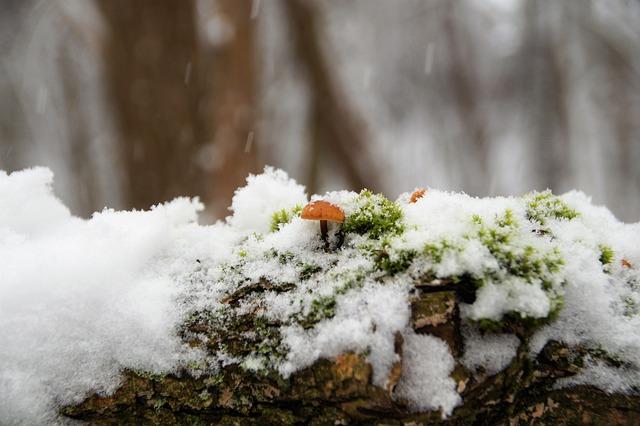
(183, 110)
(233, 81)
(465, 86)
(546, 67)
(81, 162)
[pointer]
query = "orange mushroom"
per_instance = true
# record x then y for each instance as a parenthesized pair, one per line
(325, 212)
(625, 263)
(417, 194)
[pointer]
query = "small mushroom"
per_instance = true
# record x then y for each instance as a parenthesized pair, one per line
(323, 211)
(625, 263)
(417, 194)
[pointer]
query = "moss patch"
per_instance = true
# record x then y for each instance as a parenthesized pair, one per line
(284, 216)
(542, 206)
(376, 216)
(606, 254)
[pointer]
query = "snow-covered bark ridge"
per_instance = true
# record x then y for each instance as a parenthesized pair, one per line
(81, 300)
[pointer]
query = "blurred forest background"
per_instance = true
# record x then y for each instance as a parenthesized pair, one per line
(134, 102)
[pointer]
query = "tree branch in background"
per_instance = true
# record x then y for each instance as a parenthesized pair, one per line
(335, 123)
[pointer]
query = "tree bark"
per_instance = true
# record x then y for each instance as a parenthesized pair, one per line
(340, 390)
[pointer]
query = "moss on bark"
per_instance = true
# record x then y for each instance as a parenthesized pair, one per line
(340, 390)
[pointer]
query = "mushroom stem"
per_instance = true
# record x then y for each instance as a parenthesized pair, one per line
(324, 232)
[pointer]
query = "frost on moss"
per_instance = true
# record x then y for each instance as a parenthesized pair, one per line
(305, 285)
(284, 216)
(437, 250)
(375, 216)
(524, 261)
(606, 255)
(393, 261)
(542, 206)
(516, 259)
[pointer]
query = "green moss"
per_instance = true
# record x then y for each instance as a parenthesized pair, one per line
(517, 321)
(308, 270)
(524, 262)
(630, 307)
(150, 375)
(159, 403)
(606, 254)
(393, 262)
(285, 257)
(324, 307)
(436, 251)
(284, 216)
(375, 217)
(321, 308)
(542, 206)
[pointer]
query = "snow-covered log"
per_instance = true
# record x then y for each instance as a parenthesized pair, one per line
(437, 308)
(340, 389)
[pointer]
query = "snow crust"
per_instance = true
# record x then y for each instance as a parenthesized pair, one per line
(81, 300)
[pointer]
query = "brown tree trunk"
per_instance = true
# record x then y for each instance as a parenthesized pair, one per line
(183, 108)
(233, 104)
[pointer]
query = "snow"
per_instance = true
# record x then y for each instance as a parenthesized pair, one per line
(595, 313)
(511, 294)
(253, 205)
(27, 193)
(81, 300)
(491, 351)
(425, 381)
(357, 326)
(604, 377)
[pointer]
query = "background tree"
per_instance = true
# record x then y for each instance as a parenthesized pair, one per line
(132, 103)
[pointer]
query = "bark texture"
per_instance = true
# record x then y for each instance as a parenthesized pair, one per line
(340, 390)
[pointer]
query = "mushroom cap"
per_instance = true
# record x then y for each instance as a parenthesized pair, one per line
(322, 210)
(417, 194)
